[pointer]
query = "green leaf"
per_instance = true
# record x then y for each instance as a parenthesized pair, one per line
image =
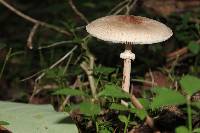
(194, 47)
(182, 129)
(104, 70)
(54, 73)
(105, 131)
(190, 84)
(89, 109)
(141, 113)
(28, 118)
(69, 91)
(123, 118)
(4, 123)
(113, 91)
(120, 107)
(197, 130)
(145, 103)
(166, 97)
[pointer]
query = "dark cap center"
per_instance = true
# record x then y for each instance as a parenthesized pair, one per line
(130, 19)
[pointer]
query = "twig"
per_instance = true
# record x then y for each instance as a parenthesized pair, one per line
(29, 77)
(119, 10)
(118, 6)
(152, 77)
(31, 35)
(134, 2)
(81, 15)
(5, 61)
(33, 20)
(173, 55)
(51, 67)
(89, 73)
(67, 64)
(138, 105)
(145, 81)
(54, 44)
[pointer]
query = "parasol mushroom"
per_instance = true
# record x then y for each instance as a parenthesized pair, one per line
(129, 30)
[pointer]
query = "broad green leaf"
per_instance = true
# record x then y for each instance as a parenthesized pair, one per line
(116, 106)
(145, 103)
(89, 109)
(69, 91)
(182, 129)
(4, 123)
(194, 47)
(113, 91)
(166, 97)
(141, 113)
(190, 84)
(28, 118)
(123, 118)
(104, 70)
(197, 130)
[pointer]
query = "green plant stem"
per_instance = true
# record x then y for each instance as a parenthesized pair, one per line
(5, 61)
(126, 124)
(94, 119)
(97, 126)
(189, 112)
(88, 66)
(91, 80)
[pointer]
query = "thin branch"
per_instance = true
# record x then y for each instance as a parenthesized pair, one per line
(29, 77)
(31, 35)
(55, 44)
(81, 15)
(144, 81)
(5, 61)
(33, 20)
(89, 72)
(138, 105)
(118, 6)
(133, 4)
(180, 52)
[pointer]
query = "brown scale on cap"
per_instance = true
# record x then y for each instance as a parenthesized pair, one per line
(130, 19)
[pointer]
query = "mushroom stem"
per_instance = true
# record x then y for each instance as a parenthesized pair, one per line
(126, 75)
(127, 55)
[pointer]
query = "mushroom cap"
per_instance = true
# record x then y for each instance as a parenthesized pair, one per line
(129, 29)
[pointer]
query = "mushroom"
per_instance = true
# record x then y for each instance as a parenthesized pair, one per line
(129, 30)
